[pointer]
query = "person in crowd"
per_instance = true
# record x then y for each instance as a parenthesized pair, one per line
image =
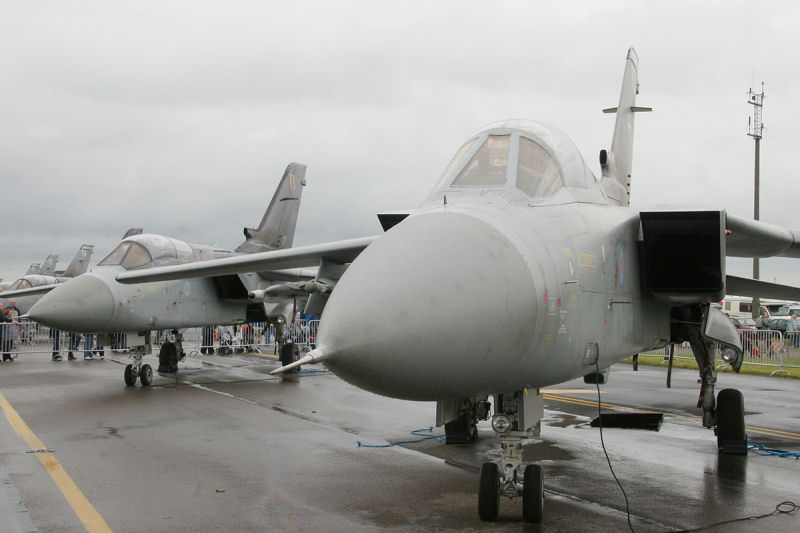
(88, 345)
(10, 327)
(207, 342)
(55, 335)
(791, 330)
(12, 304)
(762, 322)
(74, 342)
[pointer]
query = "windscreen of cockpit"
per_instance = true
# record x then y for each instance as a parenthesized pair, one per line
(20, 284)
(487, 168)
(537, 172)
(128, 255)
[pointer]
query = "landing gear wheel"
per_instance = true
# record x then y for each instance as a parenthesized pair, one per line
(533, 494)
(489, 493)
(146, 375)
(731, 436)
(130, 376)
(289, 354)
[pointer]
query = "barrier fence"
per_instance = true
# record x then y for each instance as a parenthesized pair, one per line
(30, 337)
(761, 347)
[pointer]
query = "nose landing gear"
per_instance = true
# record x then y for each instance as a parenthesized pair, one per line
(517, 417)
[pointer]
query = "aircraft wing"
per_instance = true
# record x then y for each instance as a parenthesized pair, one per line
(33, 291)
(753, 238)
(302, 256)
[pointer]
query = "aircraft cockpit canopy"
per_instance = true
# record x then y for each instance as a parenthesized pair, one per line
(523, 156)
(21, 283)
(148, 250)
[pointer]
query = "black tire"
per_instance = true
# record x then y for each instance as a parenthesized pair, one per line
(146, 375)
(289, 354)
(730, 428)
(130, 376)
(533, 494)
(489, 493)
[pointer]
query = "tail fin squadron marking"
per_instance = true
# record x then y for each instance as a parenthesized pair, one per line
(48, 268)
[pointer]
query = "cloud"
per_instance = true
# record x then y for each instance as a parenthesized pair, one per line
(180, 117)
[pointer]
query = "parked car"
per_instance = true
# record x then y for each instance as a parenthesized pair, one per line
(740, 322)
(778, 323)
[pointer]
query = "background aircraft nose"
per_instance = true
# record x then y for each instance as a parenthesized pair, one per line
(430, 309)
(83, 304)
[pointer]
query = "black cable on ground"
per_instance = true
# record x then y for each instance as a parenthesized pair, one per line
(603, 444)
(786, 507)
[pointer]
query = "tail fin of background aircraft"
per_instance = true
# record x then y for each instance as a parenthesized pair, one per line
(33, 269)
(616, 164)
(48, 268)
(80, 263)
(131, 232)
(276, 230)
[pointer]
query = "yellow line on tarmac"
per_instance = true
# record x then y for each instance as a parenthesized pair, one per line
(571, 391)
(589, 403)
(553, 395)
(773, 432)
(87, 514)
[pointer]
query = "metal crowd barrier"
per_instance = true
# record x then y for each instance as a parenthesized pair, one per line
(29, 337)
(761, 347)
(256, 337)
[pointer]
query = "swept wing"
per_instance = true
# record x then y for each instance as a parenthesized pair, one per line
(264, 262)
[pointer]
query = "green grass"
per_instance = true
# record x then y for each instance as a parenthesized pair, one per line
(755, 370)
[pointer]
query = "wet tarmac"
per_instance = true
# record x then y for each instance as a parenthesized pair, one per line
(227, 447)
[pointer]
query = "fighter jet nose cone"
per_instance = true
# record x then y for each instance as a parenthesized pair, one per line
(83, 304)
(384, 327)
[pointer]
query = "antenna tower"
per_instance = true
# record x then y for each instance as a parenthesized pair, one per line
(755, 129)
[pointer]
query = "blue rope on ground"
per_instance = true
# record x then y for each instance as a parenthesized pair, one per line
(760, 449)
(423, 434)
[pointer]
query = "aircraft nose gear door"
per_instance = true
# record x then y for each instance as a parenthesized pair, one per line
(517, 417)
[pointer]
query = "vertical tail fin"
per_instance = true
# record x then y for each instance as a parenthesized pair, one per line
(80, 263)
(616, 164)
(33, 269)
(276, 230)
(48, 268)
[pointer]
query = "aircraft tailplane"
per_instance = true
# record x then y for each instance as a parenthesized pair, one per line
(33, 269)
(276, 230)
(616, 164)
(80, 263)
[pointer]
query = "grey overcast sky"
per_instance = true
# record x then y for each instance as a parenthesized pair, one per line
(180, 117)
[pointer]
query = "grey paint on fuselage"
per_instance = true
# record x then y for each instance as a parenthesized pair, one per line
(522, 290)
(163, 305)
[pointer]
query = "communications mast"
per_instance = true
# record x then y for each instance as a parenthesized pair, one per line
(755, 129)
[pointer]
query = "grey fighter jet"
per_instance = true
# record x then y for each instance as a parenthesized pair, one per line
(96, 303)
(28, 289)
(522, 270)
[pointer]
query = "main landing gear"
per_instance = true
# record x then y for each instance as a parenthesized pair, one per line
(139, 344)
(706, 328)
(143, 372)
(517, 417)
